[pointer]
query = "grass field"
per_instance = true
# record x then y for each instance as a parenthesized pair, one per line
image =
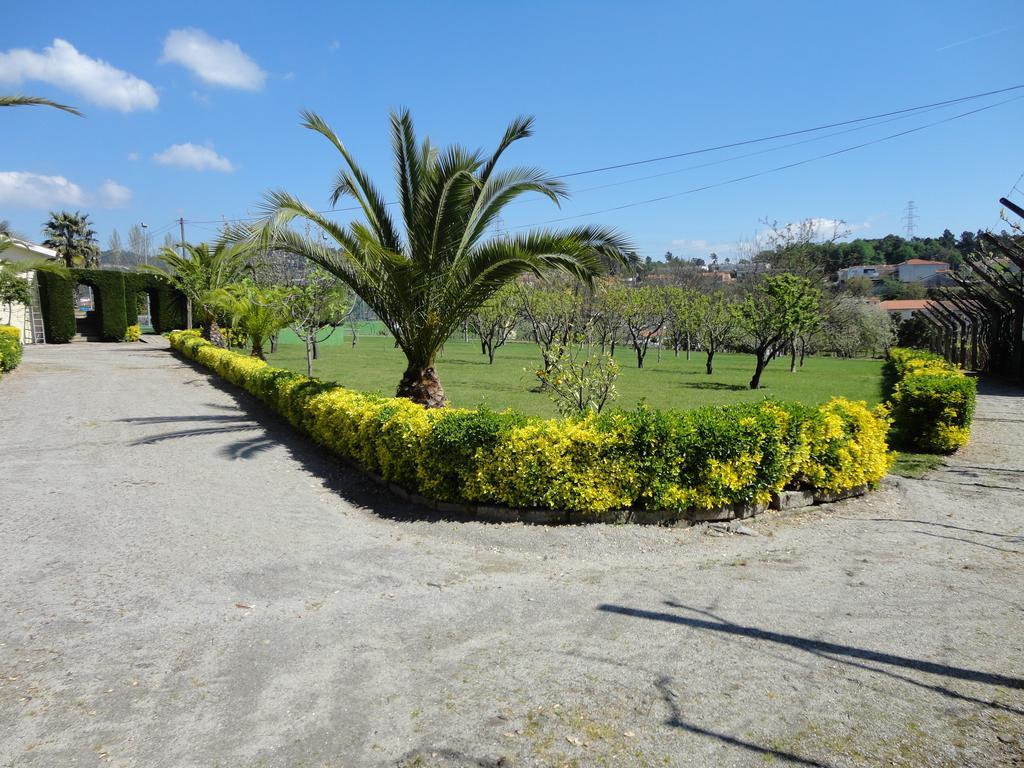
(374, 365)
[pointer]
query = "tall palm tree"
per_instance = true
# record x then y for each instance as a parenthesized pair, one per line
(424, 279)
(35, 101)
(202, 271)
(71, 235)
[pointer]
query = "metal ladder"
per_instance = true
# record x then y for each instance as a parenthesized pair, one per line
(34, 331)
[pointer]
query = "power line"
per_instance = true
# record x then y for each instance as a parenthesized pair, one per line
(895, 114)
(791, 133)
(1016, 185)
(775, 169)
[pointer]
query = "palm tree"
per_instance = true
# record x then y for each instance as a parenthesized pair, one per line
(71, 235)
(424, 280)
(257, 312)
(35, 101)
(200, 272)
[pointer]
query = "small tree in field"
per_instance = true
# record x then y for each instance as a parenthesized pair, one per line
(772, 313)
(495, 320)
(554, 316)
(316, 309)
(643, 316)
(580, 381)
(716, 326)
(685, 308)
(605, 314)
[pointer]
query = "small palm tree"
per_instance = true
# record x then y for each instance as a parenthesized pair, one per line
(200, 273)
(424, 279)
(71, 235)
(35, 101)
(257, 312)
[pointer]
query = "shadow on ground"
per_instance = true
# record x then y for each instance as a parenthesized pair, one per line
(249, 415)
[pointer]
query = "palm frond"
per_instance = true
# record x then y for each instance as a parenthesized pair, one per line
(36, 101)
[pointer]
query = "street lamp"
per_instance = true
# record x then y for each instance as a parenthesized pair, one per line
(145, 242)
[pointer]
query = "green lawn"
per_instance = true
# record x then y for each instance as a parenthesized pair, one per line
(374, 365)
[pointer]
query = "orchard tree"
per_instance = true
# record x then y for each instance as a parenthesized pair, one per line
(717, 325)
(772, 313)
(315, 309)
(684, 308)
(605, 314)
(495, 320)
(554, 316)
(643, 316)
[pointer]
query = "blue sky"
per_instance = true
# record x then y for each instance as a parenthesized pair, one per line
(192, 108)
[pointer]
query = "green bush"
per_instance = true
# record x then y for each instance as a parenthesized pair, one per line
(671, 460)
(10, 351)
(932, 401)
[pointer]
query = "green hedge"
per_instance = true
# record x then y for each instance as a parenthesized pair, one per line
(675, 461)
(10, 348)
(114, 293)
(932, 401)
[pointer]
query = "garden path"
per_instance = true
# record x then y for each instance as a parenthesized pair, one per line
(184, 582)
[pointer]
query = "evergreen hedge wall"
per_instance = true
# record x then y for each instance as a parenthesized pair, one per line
(114, 293)
(57, 297)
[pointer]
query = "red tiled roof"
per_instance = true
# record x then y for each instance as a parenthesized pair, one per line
(919, 262)
(902, 305)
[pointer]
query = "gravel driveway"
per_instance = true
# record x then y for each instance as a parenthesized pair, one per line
(184, 582)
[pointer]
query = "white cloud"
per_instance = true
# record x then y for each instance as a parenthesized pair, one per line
(133, 156)
(194, 156)
(114, 195)
(22, 189)
(334, 45)
(62, 65)
(217, 62)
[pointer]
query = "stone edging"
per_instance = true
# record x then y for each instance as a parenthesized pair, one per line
(785, 501)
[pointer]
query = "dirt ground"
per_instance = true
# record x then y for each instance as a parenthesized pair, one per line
(186, 582)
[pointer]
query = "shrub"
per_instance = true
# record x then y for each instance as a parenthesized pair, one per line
(932, 401)
(10, 349)
(656, 460)
(10, 330)
(132, 333)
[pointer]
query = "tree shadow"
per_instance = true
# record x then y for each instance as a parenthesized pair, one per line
(676, 720)
(968, 541)
(1010, 536)
(714, 386)
(860, 658)
(248, 414)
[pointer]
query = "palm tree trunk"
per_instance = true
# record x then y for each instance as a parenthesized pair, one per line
(211, 332)
(421, 385)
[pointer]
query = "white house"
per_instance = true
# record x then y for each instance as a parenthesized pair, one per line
(19, 315)
(923, 271)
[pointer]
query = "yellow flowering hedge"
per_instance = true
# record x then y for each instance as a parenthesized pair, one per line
(10, 348)
(642, 459)
(932, 401)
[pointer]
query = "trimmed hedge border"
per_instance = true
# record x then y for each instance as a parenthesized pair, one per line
(115, 293)
(713, 463)
(932, 401)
